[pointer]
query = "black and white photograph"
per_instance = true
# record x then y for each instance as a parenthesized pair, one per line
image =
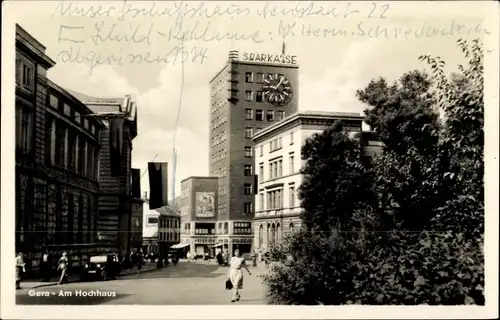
(249, 159)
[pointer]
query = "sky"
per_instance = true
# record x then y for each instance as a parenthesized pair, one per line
(331, 69)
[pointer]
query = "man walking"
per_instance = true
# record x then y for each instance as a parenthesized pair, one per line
(46, 265)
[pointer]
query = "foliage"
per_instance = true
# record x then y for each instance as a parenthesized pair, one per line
(328, 196)
(430, 170)
(408, 172)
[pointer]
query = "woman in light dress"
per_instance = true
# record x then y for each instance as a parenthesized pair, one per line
(236, 274)
(63, 266)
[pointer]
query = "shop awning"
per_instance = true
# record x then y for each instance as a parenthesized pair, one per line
(179, 245)
(217, 245)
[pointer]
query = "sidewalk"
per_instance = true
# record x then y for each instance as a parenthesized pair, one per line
(38, 283)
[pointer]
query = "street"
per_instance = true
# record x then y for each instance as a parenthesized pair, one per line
(187, 283)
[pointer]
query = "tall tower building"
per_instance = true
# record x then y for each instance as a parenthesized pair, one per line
(251, 92)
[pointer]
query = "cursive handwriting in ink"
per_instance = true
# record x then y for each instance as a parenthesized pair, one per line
(177, 32)
(65, 8)
(111, 34)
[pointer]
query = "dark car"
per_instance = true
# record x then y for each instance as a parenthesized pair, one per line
(102, 267)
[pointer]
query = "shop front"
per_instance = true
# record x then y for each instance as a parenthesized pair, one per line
(204, 245)
(244, 245)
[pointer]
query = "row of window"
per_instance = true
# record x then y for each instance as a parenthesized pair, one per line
(259, 115)
(219, 139)
(169, 236)
(220, 172)
(168, 223)
(219, 155)
(218, 122)
(72, 114)
(219, 104)
(276, 168)
(275, 199)
(275, 144)
(219, 86)
(273, 234)
(258, 77)
(70, 150)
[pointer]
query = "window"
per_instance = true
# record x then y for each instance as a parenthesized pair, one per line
(249, 77)
(275, 144)
(242, 228)
(291, 137)
(248, 152)
(261, 201)
(152, 220)
(24, 129)
(281, 115)
(248, 170)
(270, 115)
(77, 117)
(67, 110)
(247, 207)
(259, 115)
(292, 197)
(248, 95)
(292, 168)
(261, 172)
(27, 80)
(276, 169)
(260, 77)
(248, 133)
(280, 168)
(248, 189)
(259, 97)
(53, 102)
(248, 114)
(274, 199)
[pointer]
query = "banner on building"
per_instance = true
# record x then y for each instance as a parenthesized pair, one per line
(205, 204)
(158, 184)
(136, 183)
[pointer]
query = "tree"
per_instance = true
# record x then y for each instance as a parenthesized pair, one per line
(407, 177)
(335, 182)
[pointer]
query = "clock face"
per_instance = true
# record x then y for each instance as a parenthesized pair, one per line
(277, 89)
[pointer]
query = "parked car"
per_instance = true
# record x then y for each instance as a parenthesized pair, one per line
(102, 267)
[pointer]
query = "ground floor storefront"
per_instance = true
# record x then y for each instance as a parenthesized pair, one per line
(211, 245)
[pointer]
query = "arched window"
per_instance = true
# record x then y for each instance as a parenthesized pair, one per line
(268, 236)
(278, 233)
(261, 236)
(273, 235)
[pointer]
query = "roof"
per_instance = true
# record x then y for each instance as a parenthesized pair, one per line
(309, 115)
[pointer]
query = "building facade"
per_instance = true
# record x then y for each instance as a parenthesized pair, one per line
(250, 93)
(198, 207)
(116, 202)
(169, 226)
(278, 162)
(57, 148)
(149, 228)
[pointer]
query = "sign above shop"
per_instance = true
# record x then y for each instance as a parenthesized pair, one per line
(270, 58)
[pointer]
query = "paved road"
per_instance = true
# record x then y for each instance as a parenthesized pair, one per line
(185, 284)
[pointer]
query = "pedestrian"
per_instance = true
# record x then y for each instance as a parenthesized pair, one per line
(236, 274)
(254, 258)
(20, 269)
(46, 265)
(63, 266)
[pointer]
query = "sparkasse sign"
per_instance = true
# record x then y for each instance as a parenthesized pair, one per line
(271, 58)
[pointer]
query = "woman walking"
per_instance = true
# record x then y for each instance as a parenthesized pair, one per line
(63, 266)
(236, 274)
(20, 268)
